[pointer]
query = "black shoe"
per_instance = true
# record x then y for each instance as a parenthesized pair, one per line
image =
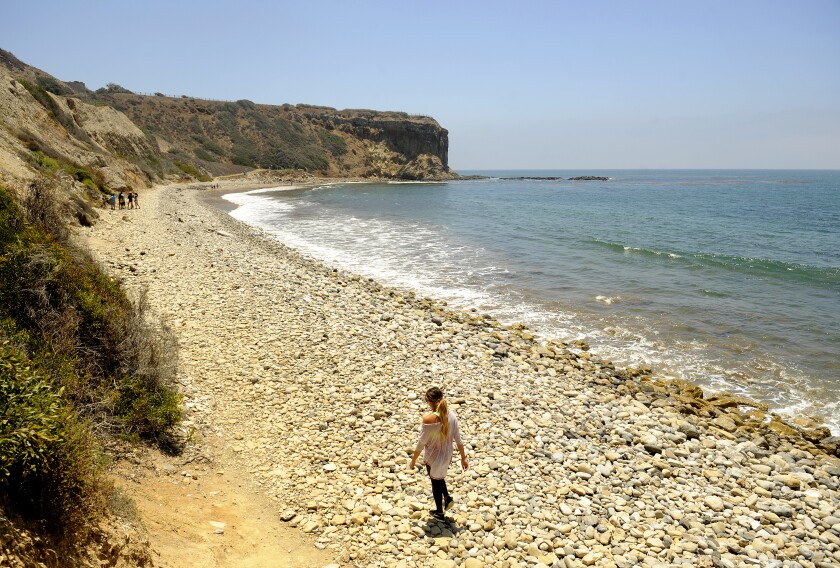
(448, 503)
(437, 514)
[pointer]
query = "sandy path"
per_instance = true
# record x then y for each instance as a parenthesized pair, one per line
(210, 517)
(201, 509)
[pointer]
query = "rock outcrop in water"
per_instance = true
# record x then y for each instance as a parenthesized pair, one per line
(555, 178)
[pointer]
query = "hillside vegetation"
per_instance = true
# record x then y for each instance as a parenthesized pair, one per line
(79, 364)
(223, 137)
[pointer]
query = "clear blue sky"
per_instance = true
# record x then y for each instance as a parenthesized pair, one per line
(595, 84)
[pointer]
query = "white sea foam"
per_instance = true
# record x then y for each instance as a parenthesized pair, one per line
(256, 209)
(366, 246)
(233, 196)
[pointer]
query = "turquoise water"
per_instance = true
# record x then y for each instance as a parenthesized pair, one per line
(730, 279)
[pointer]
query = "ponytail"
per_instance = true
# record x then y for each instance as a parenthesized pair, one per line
(435, 396)
(443, 410)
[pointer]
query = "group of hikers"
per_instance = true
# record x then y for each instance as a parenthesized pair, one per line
(130, 197)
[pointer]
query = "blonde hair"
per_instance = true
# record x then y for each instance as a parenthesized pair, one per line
(434, 396)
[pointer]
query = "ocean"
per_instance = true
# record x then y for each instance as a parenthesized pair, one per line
(726, 278)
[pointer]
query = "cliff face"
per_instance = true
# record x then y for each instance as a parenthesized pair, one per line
(43, 131)
(411, 137)
(398, 145)
(127, 140)
(223, 137)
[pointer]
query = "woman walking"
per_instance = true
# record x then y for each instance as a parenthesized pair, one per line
(440, 428)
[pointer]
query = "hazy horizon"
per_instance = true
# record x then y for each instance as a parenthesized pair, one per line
(542, 85)
(575, 169)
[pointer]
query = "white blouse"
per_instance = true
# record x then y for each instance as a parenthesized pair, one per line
(438, 450)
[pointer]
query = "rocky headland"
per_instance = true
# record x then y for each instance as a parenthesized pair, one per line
(313, 378)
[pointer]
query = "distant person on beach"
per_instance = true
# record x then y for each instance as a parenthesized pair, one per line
(122, 200)
(113, 201)
(440, 428)
(130, 200)
(136, 202)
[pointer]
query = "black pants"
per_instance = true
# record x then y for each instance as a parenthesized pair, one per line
(439, 491)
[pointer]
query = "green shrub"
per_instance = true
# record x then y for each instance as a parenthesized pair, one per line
(48, 460)
(243, 160)
(42, 205)
(121, 505)
(36, 91)
(151, 165)
(214, 147)
(81, 175)
(229, 108)
(195, 127)
(76, 357)
(48, 164)
(203, 154)
(187, 169)
(147, 412)
(45, 163)
(304, 158)
(52, 85)
(334, 143)
(152, 159)
(245, 152)
(192, 171)
(111, 88)
(258, 119)
(30, 415)
(88, 337)
(290, 133)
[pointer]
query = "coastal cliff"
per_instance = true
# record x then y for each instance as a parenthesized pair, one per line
(229, 137)
(42, 129)
(127, 141)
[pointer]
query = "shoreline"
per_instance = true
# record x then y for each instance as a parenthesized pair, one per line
(214, 196)
(792, 418)
(572, 461)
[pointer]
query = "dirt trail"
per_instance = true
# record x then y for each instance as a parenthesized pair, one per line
(202, 509)
(204, 514)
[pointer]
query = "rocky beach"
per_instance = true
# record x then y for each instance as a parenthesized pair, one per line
(313, 378)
